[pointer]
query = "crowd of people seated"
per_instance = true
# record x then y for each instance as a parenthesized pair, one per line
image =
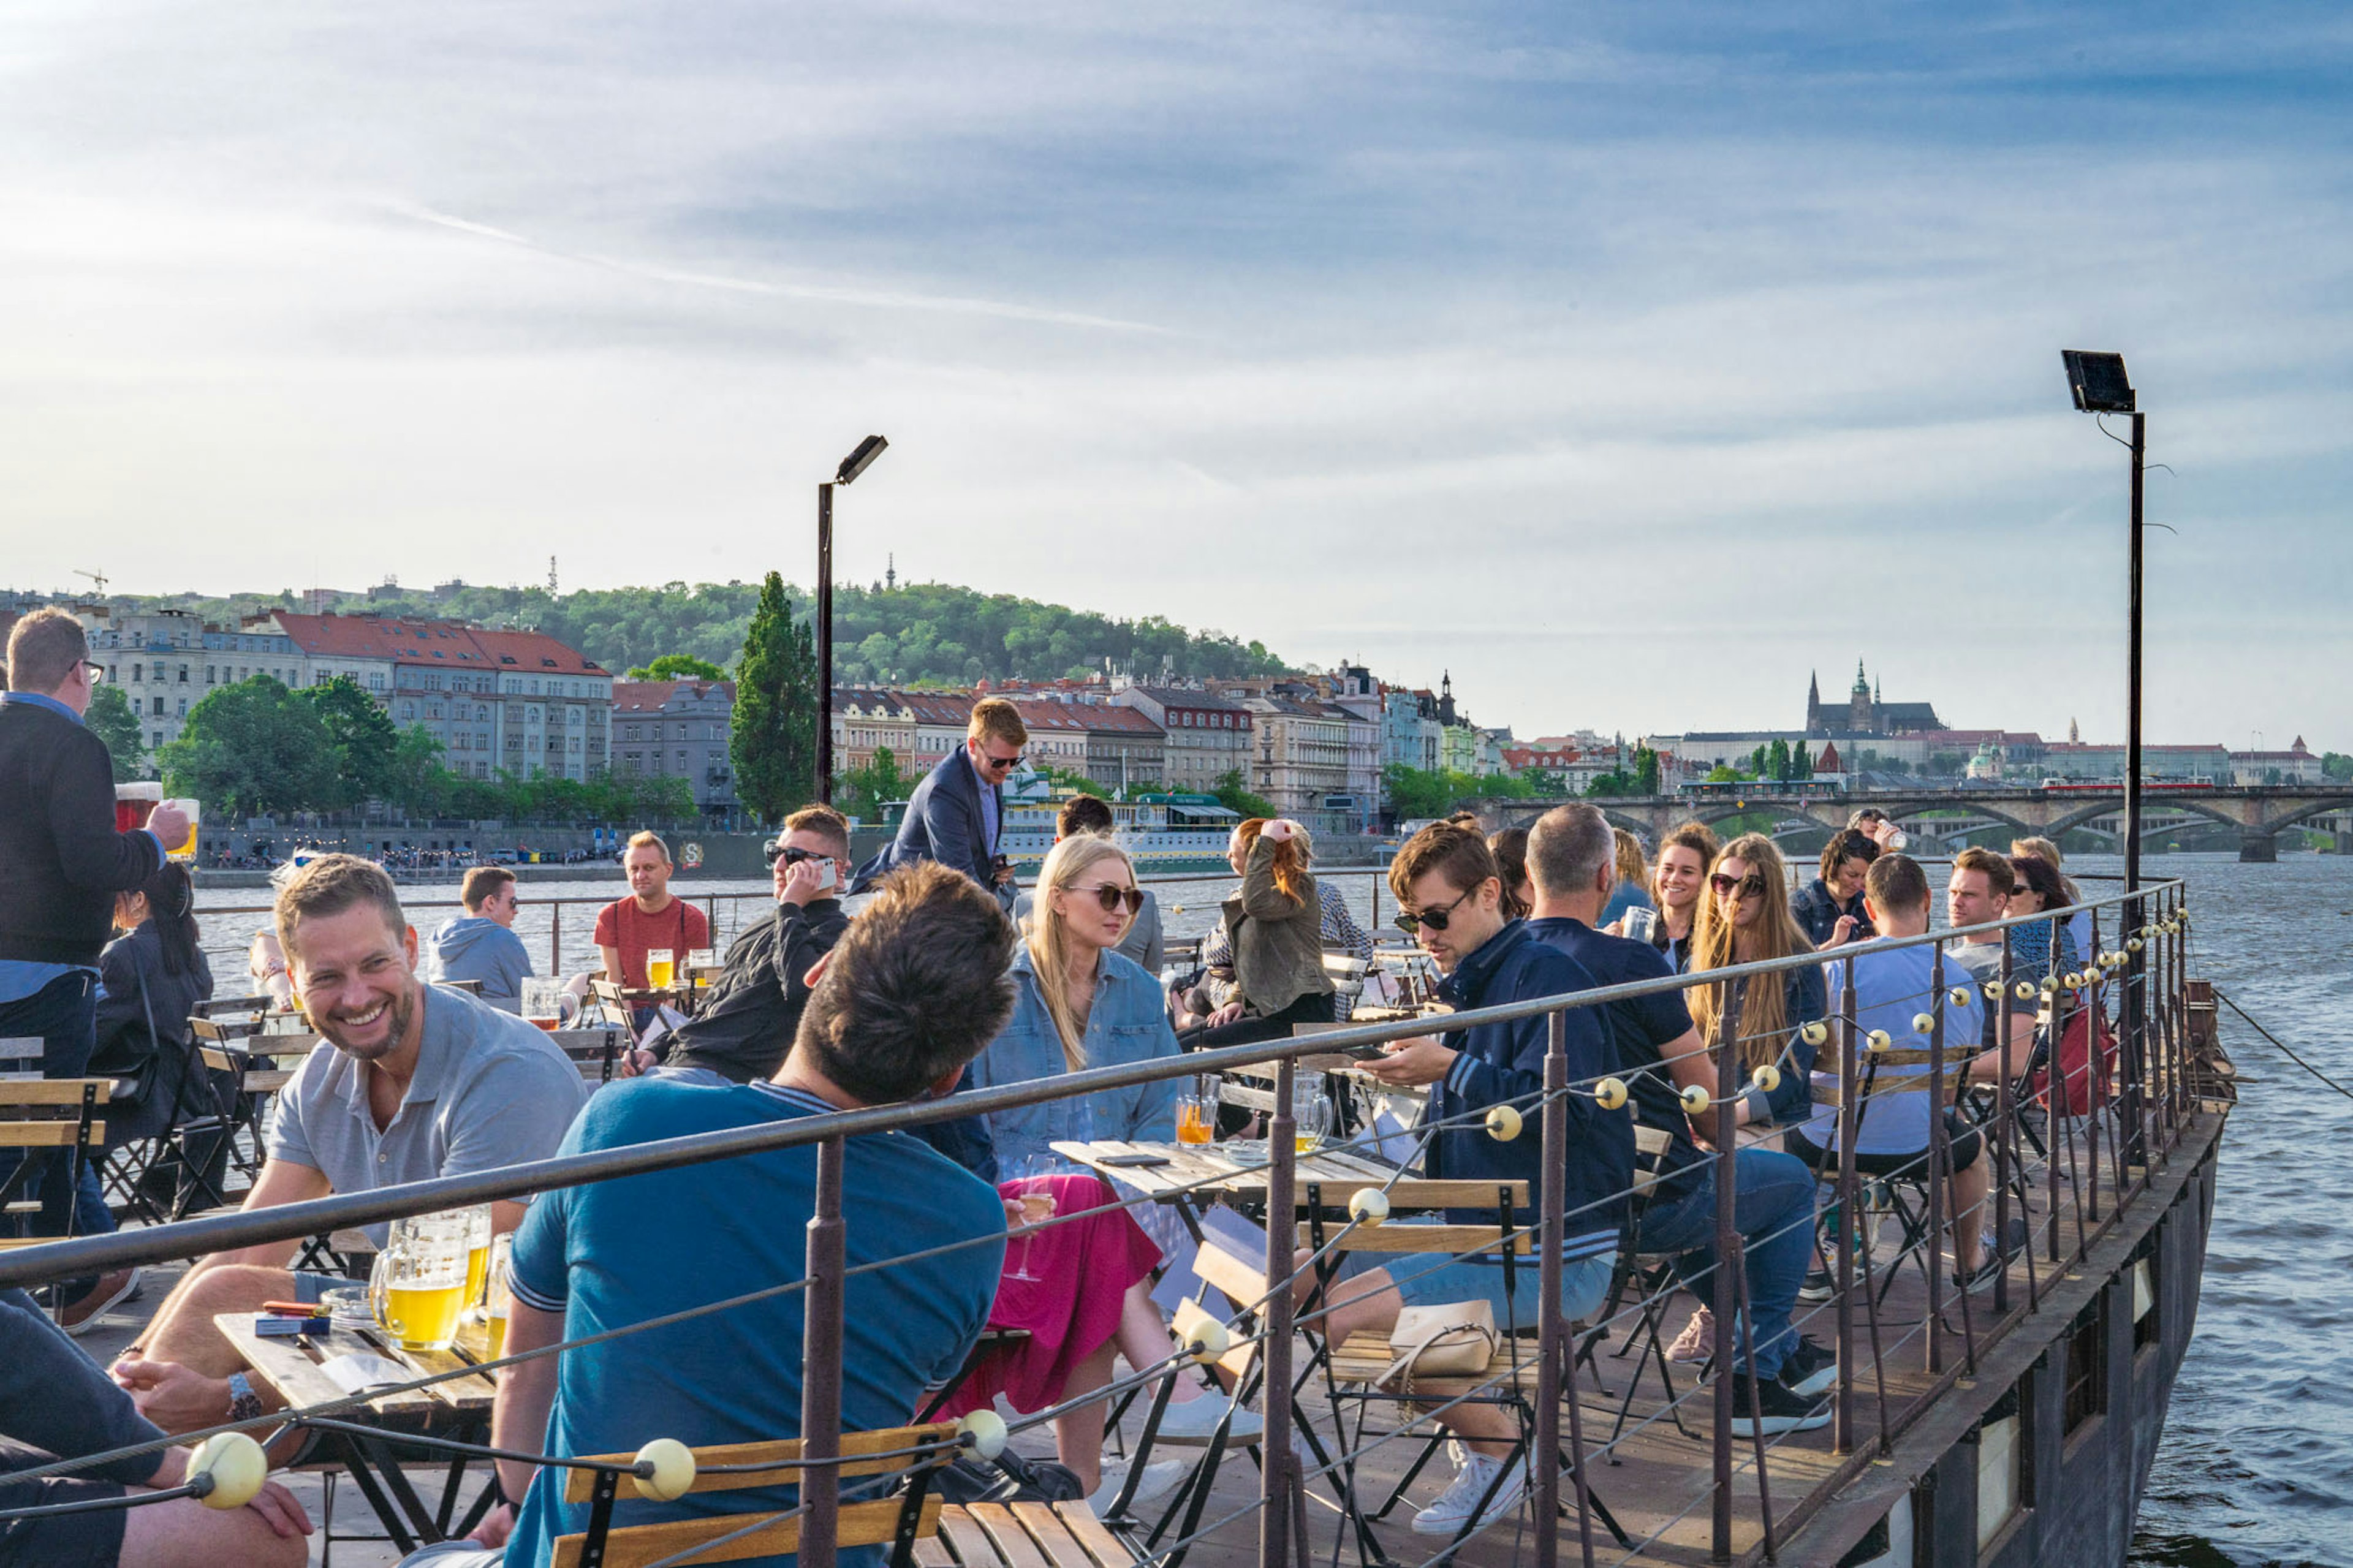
(936, 988)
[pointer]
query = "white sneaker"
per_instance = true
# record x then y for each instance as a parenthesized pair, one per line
(1452, 1510)
(1159, 1481)
(1192, 1423)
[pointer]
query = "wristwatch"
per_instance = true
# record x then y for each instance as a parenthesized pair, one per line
(244, 1404)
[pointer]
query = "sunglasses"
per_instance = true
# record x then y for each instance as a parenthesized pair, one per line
(1435, 917)
(1110, 895)
(1747, 887)
(999, 765)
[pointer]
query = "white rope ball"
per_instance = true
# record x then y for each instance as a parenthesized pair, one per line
(1959, 995)
(1609, 1094)
(1695, 1100)
(2049, 985)
(667, 1470)
(1504, 1123)
(1878, 1039)
(1766, 1077)
(1815, 1033)
(2023, 991)
(2134, 945)
(984, 1431)
(1923, 1022)
(235, 1465)
(1369, 1207)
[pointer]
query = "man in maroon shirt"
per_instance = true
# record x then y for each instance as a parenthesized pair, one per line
(649, 918)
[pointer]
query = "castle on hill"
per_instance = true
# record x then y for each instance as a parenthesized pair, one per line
(1865, 714)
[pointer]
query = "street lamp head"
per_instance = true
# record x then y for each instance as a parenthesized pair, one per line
(863, 457)
(2098, 381)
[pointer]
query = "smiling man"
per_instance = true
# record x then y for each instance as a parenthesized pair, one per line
(409, 1081)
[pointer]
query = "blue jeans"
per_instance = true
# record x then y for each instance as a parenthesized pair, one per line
(64, 1015)
(1773, 1211)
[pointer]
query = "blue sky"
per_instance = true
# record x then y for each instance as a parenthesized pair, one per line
(1629, 362)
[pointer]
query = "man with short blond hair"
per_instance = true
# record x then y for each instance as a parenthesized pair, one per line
(956, 814)
(1978, 892)
(408, 1082)
(651, 916)
(481, 945)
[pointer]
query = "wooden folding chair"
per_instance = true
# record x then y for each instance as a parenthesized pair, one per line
(900, 1521)
(39, 1114)
(594, 1048)
(1652, 1278)
(1022, 1535)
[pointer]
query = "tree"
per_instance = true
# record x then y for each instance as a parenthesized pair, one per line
(1801, 761)
(1646, 771)
(774, 740)
(1777, 761)
(252, 750)
(677, 666)
(1234, 795)
(1071, 779)
(362, 739)
(1757, 762)
(415, 782)
(1725, 773)
(865, 789)
(2335, 766)
(111, 721)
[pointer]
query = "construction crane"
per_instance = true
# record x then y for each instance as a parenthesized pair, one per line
(97, 577)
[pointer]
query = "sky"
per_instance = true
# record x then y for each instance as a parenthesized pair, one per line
(1630, 363)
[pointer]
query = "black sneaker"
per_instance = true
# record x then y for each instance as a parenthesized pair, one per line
(1777, 1409)
(1808, 1370)
(1819, 1286)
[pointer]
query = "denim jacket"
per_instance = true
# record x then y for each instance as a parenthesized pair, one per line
(1128, 1022)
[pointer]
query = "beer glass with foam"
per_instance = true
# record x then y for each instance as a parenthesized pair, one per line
(134, 803)
(418, 1289)
(661, 968)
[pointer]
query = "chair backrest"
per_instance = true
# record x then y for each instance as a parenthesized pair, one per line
(860, 1524)
(52, 1112)
(21, 1058)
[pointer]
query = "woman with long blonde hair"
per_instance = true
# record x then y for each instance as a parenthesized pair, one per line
(1273, 926)
(1632, 889)
(1743, 916)
(1078, 1004)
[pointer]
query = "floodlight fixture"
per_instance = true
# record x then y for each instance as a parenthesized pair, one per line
(873, 447)
(2098, 381)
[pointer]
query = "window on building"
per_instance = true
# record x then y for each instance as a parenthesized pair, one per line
(157, 739)
(137, 671)
(183, 675)
(183, 707)
(209, 676)
(2087, 1366)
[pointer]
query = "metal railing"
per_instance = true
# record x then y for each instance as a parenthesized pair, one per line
(2147, 1116)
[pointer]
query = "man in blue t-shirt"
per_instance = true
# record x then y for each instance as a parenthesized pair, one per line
(1572, 860)
(915, 988)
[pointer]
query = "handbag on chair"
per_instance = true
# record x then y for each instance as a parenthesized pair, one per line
(1454, 1339)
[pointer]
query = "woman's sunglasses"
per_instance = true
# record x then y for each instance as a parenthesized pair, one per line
(1747, 887)
(1435, 917)
(1111, 896)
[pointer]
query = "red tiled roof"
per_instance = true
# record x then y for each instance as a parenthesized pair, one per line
(407, 641)
(652, 696)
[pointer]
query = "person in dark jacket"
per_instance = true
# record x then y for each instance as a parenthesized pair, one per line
(62, 860)
(1830, 909)
(1448, 888)
(55, 1403)
(746, 1025)
(957, 814)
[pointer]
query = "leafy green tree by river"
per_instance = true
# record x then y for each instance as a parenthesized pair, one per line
(252, 750)
(111, 721)
(773, 740)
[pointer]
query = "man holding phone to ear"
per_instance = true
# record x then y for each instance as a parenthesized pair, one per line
(747, 1024)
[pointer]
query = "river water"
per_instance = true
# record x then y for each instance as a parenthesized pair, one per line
(2256, 1468)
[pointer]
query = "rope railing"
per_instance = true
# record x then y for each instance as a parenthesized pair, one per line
(2156, 923)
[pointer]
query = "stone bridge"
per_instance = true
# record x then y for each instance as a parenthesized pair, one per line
(2257, 813)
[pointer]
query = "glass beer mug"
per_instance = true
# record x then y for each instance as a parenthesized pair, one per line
(418, 1289)
(661, 968)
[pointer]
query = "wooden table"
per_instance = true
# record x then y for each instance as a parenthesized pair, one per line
(457, 1408)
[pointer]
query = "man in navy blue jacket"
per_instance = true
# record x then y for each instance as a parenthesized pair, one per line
(956, 814)
(1451, 893)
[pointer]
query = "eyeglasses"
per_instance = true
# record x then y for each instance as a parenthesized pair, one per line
(1747, 887)
(96, 671)
(1110, 895)
(1435, 917)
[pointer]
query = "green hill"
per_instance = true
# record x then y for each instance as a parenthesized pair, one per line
(922, 632)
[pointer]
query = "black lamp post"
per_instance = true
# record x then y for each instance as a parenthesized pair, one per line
(857, 463)
(2100, 386)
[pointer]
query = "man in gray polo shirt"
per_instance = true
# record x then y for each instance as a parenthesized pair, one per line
(410, 1081)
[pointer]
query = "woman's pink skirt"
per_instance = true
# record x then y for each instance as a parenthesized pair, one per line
(1084, 1268)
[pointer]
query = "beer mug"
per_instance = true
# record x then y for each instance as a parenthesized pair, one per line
(661, 968)
(699, 962)
(501, 1296)
(477, 1251)
(542, 1002)
(134, 803)
(195, 811)
(418, 1289)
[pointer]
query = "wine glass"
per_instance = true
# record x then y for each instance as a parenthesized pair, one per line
(1033, 1190)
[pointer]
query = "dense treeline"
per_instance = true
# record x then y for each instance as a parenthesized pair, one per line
(922, 632)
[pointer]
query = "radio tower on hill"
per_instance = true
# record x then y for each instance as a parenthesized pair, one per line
(551, 577)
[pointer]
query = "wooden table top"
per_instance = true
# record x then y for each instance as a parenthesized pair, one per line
(1204, 1172)
(290, 1367)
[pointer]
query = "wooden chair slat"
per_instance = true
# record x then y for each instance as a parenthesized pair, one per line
(1008, 1535)
(1088, 1530)
(579, 1484)
(1434, 1238)
(932, 1553)
(1055, 1538)
(48, 1134)
(636, 1545)
(53, 1090)
(967, 1539)
(1189, 1314)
